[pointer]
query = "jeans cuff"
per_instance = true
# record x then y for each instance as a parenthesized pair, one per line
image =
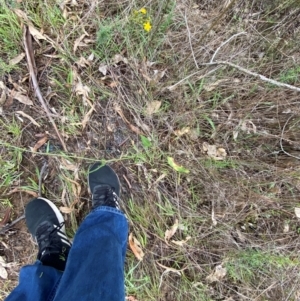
(109, 209)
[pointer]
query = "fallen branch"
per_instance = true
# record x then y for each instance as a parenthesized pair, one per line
(254, 74)
(7, 227)
(190, 39)
(27, 39)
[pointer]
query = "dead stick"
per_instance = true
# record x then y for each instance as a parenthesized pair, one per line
(31, 63)
(7, 227)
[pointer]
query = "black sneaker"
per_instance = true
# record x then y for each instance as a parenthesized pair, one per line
(46, 225)
(104, 186)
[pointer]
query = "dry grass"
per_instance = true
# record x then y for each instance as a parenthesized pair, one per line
(239, 211)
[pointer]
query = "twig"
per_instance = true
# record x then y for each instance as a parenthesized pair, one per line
(190, 40)
(281, 138)
(260, 76)
(7, 227)
(170, 88)
(224, 43)
(43, 169)
(31, 66)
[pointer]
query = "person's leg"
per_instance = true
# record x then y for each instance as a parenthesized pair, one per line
(39, 281)
(95, 267)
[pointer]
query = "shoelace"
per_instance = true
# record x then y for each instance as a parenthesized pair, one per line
(105, 195)
(50, 241)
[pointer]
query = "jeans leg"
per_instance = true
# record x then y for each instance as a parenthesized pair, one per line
(95, 266)
(36, 282)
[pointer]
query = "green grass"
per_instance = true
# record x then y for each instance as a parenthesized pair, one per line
(250, 265)
(10, 38)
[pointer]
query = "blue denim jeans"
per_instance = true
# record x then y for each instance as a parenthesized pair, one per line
(94, 269)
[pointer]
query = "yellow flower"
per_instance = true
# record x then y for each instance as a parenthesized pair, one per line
(147, 26)
(143, 11)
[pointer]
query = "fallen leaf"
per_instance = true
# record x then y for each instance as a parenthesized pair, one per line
(152, 107)
(34, 194)
(21, 98)
(182, 131)
(82, 62)
(17, 59)
(103, 69)
(91, 57)
(214, 152)
(2, 97)
(39, 144)
(112, 84)
(181, 242)
(218, 274)
(119, 58)
(135, 247)
(67, 165)
(297, 212)
(120, 112)
(35, 33)
(134, 129)
(21, 14)
(177, 167)
(66, 210)
(87, 116)
(78, 42)
(29, 117)
(158, 75)
(170, 232)
(3, 272)
(168, 269)
(6, 217)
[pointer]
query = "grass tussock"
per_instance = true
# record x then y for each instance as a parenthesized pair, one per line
(208, 145)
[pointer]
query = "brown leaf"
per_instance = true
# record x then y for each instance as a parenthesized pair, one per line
(181, 242)
(135, 247)
(29, 117)
(21, 98)
(34, 194)
(182, 131)
(134, 129)
(78, 42)
(39, 144)
(169, 233)
(35, 33)
(66, 210)
(17, 59)
(87, 117)
(152, 107)
(120, 112)
(6, 217)
(66, 164)
(82, 62)
(113, 84)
